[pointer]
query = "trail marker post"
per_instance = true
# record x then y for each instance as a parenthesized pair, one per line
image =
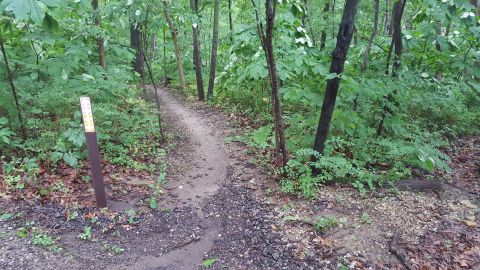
(93, 152)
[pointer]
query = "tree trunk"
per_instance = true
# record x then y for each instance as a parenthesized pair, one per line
(323, 37)
(178, 55)
(136, 43)
(165, 80)
(14, 90)
(197, 57)
(363, 67)
(339, 55)
(386, 25)
(213, 61)
(397, 46)
(397, 35)
(230, 21)
(266, 39)
(101, 48)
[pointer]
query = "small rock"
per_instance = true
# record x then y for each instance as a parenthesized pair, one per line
(471, 218)
(468, 204)
(471, 224)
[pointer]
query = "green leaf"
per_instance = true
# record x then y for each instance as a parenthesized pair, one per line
(208, 262)
(24, 9)
(70, 159)
(51, 3)
(22, 232)
(50, 24)
(261, 135)
(5, 216)
(153, 203)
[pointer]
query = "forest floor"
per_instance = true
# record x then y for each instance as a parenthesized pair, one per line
(221, 210)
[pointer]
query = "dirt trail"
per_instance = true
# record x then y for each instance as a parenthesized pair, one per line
(209, 167)
(205, 173)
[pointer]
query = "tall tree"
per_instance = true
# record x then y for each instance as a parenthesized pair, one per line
(323, 37)
(213, 60)
(136, 42)
(339, 55)
(363, 67)
(397, 46)
(197, 56)
(178, 56)
(101, 48)
(230, 20)
(266, 38)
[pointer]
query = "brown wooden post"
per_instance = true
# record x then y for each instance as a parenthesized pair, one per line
(93, 152)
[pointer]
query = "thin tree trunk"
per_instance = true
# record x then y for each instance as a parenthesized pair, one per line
(178, 55)
(230, 20)
(266, 39)
(12, 87)
(197, 57)
(159, 116)
(339, 55)
(154, 46)
(386, 25)
(323, 37)
(397, 35)
(363, 67)
(438, 33)
(397, 45)
(136, 42)
(101, 48)
(165, 80)
(213, 61)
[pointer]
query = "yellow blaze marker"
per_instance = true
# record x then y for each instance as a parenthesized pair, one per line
(87, 114)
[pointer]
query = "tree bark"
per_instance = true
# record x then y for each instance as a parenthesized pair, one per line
(396, 43)
(323, 37)
(101, 48)
(213, 61)
(397, 46)
(136, 42)
(197, 57)
(230, 20)
(363, 67)
(266, 38)
(12, 87)
(165, 80)
(339, 55)
(386, 25)
(178, 55)
(397, 35)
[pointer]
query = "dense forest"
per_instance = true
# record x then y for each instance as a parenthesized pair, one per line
(361, 94)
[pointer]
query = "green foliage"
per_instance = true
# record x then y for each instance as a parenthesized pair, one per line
(208, 262)
(325, 223)
(42, 240)
(5, 132)
(113, 249)
(366, 218)
(131, 216)
(86, 234)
